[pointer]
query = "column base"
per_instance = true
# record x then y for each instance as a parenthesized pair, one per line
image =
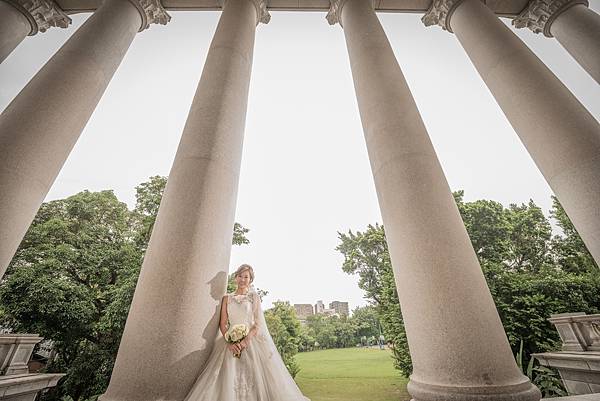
(524, 391)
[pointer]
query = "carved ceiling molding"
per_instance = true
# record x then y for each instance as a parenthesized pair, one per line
(263, 16)
(152, 12)
(440, 13)
(42, 14)
(539, 15)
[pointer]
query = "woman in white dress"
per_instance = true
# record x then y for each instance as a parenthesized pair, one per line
(259, 374)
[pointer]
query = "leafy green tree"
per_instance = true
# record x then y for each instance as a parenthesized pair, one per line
(344, 331)
(62, 283)
(148, 196)
(73, 277)
(365, 321)
(570, 251)
(340, 331)
(284, 327)
(531, 274)
(488, 227)
(324, 331)
(306, 338)
(366, 255)
(525, 301)
(530, 235)
(518, 236)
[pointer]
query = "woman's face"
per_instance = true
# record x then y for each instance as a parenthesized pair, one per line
(243, 279)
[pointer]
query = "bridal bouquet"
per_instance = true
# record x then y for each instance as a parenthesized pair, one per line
(235, 335)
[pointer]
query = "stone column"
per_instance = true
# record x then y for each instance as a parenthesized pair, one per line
(40, 126)
(457, 343)
(572, 23)
(561, 136)
(174, 316)
(19, 18)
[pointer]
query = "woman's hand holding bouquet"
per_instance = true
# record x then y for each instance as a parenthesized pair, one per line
(235, 336)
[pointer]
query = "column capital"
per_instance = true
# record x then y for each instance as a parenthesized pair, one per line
(41, 14)
(262, 14)
(152, 12)
(539, 15)
(439, 13)
(334, 16)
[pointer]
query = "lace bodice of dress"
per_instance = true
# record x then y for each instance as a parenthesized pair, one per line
(240, 309)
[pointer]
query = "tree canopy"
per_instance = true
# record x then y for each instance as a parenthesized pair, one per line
(72, 280)
(531, 273)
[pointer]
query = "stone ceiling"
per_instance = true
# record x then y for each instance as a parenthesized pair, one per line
(501, 7)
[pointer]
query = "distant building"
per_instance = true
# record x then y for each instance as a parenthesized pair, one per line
(336, 308)
(303, 311)
(319, 307)
(341, 308)
(330, 312)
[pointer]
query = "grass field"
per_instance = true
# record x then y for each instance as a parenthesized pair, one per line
(350, 374)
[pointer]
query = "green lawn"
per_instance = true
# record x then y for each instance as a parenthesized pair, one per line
(350, 374)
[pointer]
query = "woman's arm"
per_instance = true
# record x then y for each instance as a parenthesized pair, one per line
(224, 317)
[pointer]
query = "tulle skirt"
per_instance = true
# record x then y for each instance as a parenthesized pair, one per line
(259, 375)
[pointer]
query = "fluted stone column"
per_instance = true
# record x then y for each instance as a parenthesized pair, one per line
(572, 23)
(40, 126)
(19, 18)
(561, 136)
(174, 315)
(457, 343)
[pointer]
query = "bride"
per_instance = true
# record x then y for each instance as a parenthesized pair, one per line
(258, 374)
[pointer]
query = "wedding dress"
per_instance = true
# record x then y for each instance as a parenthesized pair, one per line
(258, 375)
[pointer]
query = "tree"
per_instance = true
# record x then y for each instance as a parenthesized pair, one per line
(340, 331)
(324, 331)
(72, 281)
(344, 331)
(366, 255)
(148, 197)
(525, 300)
(530, 235)
(488, 226)
(306, 338)
(531, 274)
(62, 284)
(571, 253)
(518, 236)
(284, 327)
(365, 321)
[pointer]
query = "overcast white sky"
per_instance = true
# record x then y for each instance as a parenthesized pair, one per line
(305, 173)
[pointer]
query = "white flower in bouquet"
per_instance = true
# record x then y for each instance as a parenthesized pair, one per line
(236, 334)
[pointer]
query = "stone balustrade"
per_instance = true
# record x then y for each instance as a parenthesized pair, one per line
(16, 383)
(578, 331)
(579, 360)
(15, 351)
